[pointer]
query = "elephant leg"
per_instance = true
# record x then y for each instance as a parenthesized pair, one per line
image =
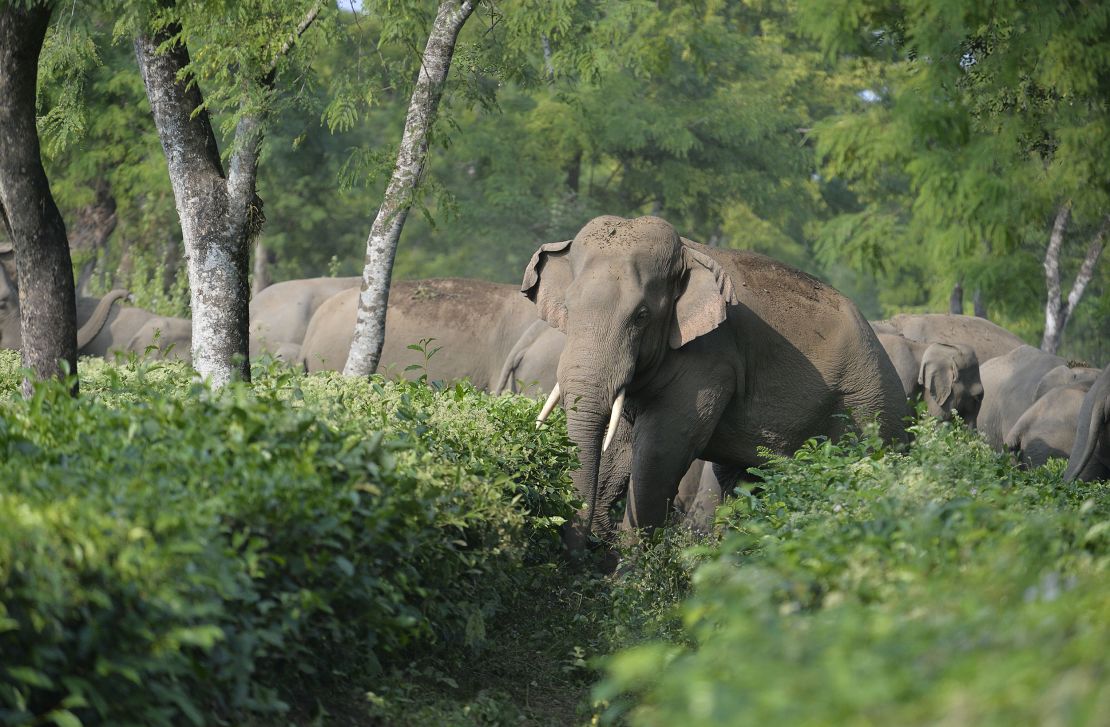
(663, 453)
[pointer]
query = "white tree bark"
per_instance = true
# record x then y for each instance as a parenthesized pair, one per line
(1052, 311)
(220, 214)
(211, 209)
(381, 245)
(1058, 310)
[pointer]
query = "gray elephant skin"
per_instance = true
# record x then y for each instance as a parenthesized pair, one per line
(92, 313)
(987, 339)
(1048, 427)
(136, 330)
(280, 313)
(1090, 456)
(712, 353)
(474, 323)
(1009, 388)
(945, 376)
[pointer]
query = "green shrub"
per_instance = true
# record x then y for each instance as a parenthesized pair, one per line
(862, 586)
(167, 553)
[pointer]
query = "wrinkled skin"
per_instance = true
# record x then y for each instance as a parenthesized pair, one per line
(530, 368)
(987, 339)
(1009, 386)
(945, 376)
(281, 312)
(717, 352)
(1048, 426)
(474, 323)
(1090, 455)
(91, 312)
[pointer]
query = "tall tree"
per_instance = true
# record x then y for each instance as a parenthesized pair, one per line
(986, 141)
(48, 311)
(381, 245)
(220, 213)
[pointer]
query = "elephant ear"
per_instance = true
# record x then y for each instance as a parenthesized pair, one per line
(546, 279)
(703, 303)
(938, 372)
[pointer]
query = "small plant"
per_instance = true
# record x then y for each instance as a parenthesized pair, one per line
(423, 347)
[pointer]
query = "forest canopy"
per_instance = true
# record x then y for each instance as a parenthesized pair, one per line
(896, 151)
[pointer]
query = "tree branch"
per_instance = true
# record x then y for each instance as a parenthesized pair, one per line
(242, 168)
(1087, 269)
(1052, 326)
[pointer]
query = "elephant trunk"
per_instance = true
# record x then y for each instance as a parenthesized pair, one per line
(87, 332)
(587, 420)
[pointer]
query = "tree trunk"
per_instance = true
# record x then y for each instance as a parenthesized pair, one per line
(262, 260)
(956, 300)
(980, 306)
(1053, 324)
(220, 214)
(1057, 310)
(212, 210)
(91, 229)
(381, 245)
(48, 309)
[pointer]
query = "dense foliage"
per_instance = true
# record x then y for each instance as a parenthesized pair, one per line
(858, 585)
(168, 552)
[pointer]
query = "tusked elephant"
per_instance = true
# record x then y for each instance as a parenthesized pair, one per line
(945, 376)
(1048, 427)
(95, 310)
(1090, 456)
(709, 353)
(280, 313)
(474, 323)
(1009, 386)
(989, 340)
(530, 368)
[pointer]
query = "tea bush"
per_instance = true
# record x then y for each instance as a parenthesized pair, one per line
(863, 586)
(169, 554)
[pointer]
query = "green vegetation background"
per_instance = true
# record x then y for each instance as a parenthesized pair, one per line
(765, 126)
(315, 550)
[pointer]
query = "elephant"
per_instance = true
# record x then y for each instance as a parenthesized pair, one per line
(705, 352)
(1090, 456)
(280, 313)
(475, 323)
(530, 365)
(136, 330)
(530, 368)
(96, 310)
(989, 340)
(1048, 427)
(1065, 376)
(1009, 386)
(945, 375)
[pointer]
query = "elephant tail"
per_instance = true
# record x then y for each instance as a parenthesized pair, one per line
(96, 321)
(1091, 416)
(506, 381)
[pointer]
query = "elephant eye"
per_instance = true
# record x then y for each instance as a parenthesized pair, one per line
(642, 316)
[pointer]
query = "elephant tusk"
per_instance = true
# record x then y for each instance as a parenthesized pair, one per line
(614, 419)
(548, 405)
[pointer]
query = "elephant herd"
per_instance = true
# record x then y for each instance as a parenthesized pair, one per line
(668, 355)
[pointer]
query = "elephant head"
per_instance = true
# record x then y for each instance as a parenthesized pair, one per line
(949, 377)
(625, 293)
